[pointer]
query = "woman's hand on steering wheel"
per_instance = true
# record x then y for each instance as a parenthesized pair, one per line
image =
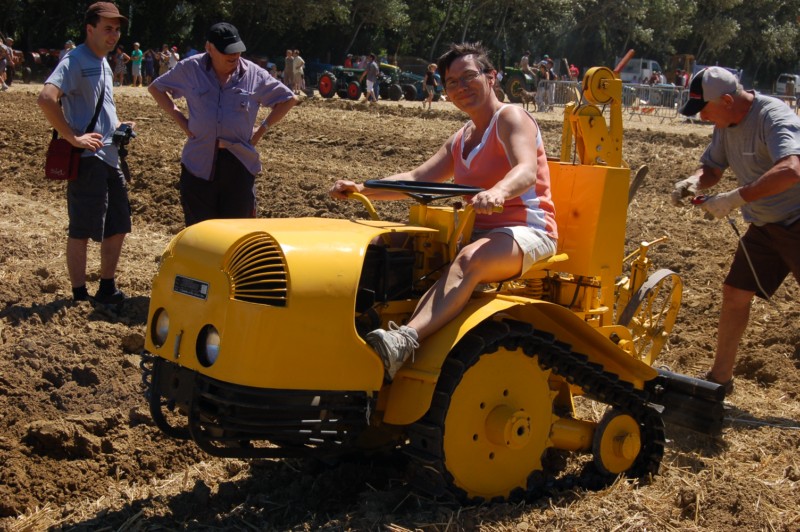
(343, 187)
(488, 201)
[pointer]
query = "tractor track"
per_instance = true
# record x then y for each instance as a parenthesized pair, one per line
(427, 435)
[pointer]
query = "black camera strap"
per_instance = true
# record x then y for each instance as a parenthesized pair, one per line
(97, 108)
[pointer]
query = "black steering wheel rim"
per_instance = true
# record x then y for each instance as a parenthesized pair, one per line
(423, 191)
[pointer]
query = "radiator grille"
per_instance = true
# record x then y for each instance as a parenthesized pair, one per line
(257, 271)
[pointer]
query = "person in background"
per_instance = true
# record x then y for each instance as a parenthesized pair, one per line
(299, 72)
(348, 61)
(121, 60)
(97, 201)
(525, 64)
(371, 72)
(223, 92)
(271, 67)
(6, 57)
(551, 87)
(758, 138)
(149, 63)
(163, 59)
(174, 57)
(68, 47)
(136, 65)
(430, 85)
(574, 73)
(11, 67)
(541, 88)
(500, 150)
(288, 69)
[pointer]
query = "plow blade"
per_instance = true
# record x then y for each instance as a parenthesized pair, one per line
(687, 402)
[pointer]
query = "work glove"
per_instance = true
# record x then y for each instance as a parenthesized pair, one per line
(683, 189)
(721, 205)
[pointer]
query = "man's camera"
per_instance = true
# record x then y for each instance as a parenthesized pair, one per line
(123, 135)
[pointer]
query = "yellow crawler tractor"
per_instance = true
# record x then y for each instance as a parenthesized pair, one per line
(255, 336)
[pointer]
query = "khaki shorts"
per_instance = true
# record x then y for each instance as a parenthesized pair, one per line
(535, 244)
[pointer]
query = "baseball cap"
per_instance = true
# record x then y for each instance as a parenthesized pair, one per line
(708, 85)
(105, 9)
(225, 38)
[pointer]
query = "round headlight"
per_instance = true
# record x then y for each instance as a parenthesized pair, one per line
(208, 345)
(159, 327)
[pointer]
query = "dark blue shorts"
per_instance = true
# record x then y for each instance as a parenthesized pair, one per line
(97, 202)
(231, 193)
(774, 251)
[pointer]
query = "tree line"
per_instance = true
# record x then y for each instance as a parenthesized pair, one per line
(762, 37)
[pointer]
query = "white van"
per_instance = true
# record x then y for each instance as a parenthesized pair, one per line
(638, 70)
(783, 80)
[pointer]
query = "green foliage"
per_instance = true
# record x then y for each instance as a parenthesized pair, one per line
(761, 36)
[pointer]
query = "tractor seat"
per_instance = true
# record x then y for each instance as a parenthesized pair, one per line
(544, 264)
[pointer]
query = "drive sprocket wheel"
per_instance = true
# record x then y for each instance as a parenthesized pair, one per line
(651, 313)
(490, 421)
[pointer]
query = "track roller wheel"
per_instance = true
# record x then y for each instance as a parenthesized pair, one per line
(624, 445)
(617, 442)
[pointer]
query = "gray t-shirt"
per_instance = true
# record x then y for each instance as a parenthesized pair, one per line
(372, 71)
(769, 132)
(78, 76)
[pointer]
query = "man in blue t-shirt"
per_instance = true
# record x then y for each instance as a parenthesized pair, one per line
(97, 201)
(371, 73)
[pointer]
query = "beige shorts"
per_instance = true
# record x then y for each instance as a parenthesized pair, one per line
(535, 244)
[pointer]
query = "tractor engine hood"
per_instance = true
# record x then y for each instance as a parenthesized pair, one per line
(261, 283)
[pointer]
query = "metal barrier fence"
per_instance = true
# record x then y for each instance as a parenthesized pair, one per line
(657, 101)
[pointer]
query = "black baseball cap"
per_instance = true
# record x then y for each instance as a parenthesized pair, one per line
(225, 38)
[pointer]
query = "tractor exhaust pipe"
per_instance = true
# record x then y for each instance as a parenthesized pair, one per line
(687, 402)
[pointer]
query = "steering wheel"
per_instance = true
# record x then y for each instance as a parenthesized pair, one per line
(424, 191)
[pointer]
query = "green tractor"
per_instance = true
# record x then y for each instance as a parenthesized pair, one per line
(345, 82)
(515, 81)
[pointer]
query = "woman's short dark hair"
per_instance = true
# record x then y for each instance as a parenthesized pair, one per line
(475, 49)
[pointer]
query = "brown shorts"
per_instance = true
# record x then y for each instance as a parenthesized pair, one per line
(774, 251)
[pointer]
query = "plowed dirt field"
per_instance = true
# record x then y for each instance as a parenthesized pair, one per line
(78, 449)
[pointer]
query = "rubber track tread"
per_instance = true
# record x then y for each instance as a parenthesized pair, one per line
(425, 447)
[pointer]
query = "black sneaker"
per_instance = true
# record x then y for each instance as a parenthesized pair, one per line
(117, 298)
(727, 386)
